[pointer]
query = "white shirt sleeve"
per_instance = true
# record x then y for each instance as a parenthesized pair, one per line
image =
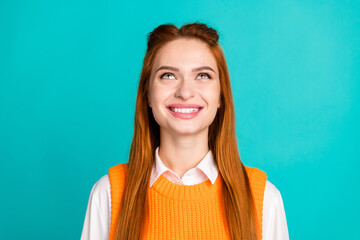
(97, 218)
(274, 219)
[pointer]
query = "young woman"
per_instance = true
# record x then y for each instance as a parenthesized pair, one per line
(184, 178)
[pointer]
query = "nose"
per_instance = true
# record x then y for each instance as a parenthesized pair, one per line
(184, 90)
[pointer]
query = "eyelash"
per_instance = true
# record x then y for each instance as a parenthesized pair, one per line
(209, 77)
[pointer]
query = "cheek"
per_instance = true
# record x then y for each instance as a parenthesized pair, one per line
(155, 99)
(154, 95)
(158, 102)
(213, 95)
(159, 94)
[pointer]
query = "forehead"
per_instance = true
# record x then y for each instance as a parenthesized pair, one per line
(185, 53)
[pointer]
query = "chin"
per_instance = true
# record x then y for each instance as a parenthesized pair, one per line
(187, 131)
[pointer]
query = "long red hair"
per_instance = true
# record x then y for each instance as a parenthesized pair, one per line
(238, 202)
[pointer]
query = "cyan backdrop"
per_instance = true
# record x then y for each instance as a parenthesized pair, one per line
(69, 73)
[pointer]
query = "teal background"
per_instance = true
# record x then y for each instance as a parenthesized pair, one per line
(69, 73)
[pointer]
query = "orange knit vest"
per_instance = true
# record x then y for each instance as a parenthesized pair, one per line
(185, 211)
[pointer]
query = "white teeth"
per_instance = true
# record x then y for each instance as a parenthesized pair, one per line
(185, 110)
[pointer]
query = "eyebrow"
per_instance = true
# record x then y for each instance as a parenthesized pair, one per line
(194, 69)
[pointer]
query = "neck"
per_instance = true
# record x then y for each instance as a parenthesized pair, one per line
(180, 153)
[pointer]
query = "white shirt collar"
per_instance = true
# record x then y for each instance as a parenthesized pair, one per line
(207, 166)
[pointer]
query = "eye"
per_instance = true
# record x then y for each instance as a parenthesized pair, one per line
(166, 76)
(204, 75)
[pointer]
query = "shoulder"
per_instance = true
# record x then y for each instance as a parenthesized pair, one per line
(117, 174)
(119, 169)
(272, 194)
(253, 172)
(270, 191)
(274, 221)
(100, 191)
(97, 218)
(257, 180)
(273, 203)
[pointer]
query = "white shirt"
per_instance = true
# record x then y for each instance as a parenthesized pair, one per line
(98, 212)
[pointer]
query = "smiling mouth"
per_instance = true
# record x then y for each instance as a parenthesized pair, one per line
(185, 110)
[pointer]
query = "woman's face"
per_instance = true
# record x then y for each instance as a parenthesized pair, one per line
(184, 90)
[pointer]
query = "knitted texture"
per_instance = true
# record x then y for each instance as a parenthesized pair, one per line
(185, 211)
